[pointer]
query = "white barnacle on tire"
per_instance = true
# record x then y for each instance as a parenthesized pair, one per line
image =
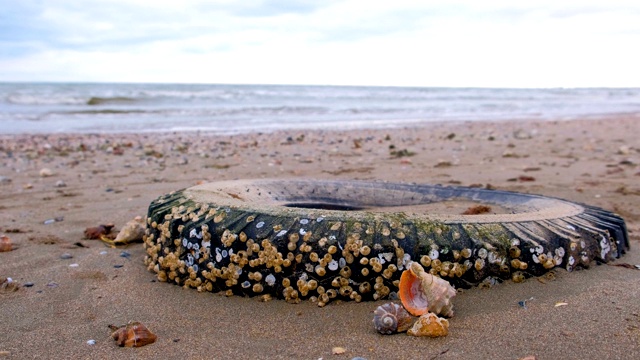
(333, 265)
(604, 247)
(270, 280)
(195, 234)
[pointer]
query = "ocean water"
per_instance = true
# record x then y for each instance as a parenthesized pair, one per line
(228, 109)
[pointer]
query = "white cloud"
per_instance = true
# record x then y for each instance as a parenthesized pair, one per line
(355, 42)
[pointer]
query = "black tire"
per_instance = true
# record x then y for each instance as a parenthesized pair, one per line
(297, 239)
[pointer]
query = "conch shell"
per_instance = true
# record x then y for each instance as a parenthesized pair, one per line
(430, 325)
(132, 231)
(391, 318)
(421, 292)
(134, 334)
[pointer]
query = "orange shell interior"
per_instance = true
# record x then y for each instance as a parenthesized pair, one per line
(411, 294)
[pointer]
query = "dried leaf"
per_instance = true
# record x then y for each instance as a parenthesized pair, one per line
(627, 265)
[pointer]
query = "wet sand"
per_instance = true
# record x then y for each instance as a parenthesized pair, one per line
(87, 180)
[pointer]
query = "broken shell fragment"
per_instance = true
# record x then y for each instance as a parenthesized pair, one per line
(97, 232)
(9, 285)
(421, 292)
(391, 318)
(134, 334)
(430, 325)
(5, 244)
(133, 231)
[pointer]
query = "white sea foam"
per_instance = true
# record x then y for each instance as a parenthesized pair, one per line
(53, 107)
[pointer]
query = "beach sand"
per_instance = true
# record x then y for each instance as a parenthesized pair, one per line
(87, 180)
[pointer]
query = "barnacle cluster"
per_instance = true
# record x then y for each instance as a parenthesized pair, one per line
(326, 254)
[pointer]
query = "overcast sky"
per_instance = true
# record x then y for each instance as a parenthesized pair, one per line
(488, 43)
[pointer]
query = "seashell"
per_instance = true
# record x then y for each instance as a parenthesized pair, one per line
(131, 232)
(46, 172)
(421, 292)
(9, 285)
(134, 334)
(5, 244)
(98, 231)
(391, 318)
(430, 325)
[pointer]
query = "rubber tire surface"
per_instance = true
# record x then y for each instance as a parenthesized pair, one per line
(297, 239)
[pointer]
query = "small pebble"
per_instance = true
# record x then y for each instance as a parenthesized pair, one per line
(28, 284)
(522, 303)
(125, 254)
(56, 219)
(52, 284)
(46, 172)
(73, 265)
(103, 252)
(91, 342)
(4, 180)
(118, 266)
(338, 350)
(66, 256)
(60, 184)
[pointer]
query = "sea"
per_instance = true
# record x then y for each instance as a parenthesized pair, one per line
(231, 109)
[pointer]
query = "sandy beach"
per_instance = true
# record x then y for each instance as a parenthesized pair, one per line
(52, 187)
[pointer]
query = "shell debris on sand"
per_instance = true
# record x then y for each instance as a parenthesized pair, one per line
(9, 285)
(98, 231)
(46, 172)
(338, 350)
(134, 334)
(430, 325)
(5, 244)
(391, 318)
(421, 292)
(133, 231)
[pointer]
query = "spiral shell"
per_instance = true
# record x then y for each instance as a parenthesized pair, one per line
(134, 334)
(391, 318)
(421, 292)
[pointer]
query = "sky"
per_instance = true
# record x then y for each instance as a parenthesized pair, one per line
(489, 43)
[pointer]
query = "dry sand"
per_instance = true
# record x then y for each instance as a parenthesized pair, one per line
(112, 178)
